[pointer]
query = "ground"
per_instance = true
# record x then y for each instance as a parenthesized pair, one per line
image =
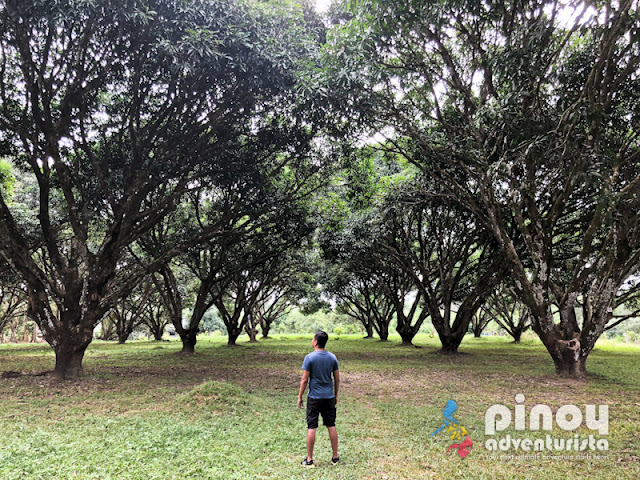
(143, 411)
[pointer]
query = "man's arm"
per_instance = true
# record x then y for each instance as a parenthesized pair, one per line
(303, 386)
(336, 383)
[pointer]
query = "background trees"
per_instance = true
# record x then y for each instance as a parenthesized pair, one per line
(13, 303)
(528, 116)
(446, 254)
(119, 112)
(188, 143)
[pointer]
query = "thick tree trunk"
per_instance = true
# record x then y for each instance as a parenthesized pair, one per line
(69, 360)
(450, 342)
(570, 365)
(567, 357)
(568, 354)
(251, 327)
(383, 332)
(157, 334)
(450, 336)
(68, 330)
(406, 334)
(517, 335)
(233, 336)
(406, 330)
(189, 339)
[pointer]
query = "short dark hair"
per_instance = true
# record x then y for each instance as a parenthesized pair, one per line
(322, 338)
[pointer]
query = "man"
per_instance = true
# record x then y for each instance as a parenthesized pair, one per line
(317, 369)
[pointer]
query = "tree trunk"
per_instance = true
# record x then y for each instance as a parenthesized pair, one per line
(70, 330)
(157, 334)
(253, 334)
(450, 335)
(450, 342)
(189, 339)
(69, 360)
(570, 363)
(233, 333)
(265, 327)
(14, 331)
(383, 331)
(516, 334)
(569, 356)
(406, 334)
(368, 326)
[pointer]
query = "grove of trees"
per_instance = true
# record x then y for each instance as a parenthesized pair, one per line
(453, 162)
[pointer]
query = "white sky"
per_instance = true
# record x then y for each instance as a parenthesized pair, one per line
(322, 5)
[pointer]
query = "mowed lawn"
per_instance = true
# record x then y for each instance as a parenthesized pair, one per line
(143, 411)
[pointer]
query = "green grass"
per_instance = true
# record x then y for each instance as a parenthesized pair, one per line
(145, 412)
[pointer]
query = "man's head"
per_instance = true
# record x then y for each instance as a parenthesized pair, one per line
(321, 338)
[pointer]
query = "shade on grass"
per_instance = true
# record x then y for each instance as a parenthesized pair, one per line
(143, 412)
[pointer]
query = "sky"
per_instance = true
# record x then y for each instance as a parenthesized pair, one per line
(322, 5)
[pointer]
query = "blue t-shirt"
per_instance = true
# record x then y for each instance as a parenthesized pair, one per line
(321, 365)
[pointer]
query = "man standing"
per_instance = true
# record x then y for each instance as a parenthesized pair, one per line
(317, 368)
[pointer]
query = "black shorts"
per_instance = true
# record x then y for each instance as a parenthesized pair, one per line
(324, 406)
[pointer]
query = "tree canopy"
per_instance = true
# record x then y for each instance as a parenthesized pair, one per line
(430, 155)
(120, 110)
(528, 115)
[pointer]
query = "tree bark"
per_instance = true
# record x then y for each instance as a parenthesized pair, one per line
(406, 331)
(369, 328)
(450, 333)
(407, 341)
(265, 327)
(516, 334)
(383, 331)
(123, 337)
(157, 334)
(69, 360)
(568, 360)
(14, 329)
(233, 333)
(450, 343)
(567, 347)
(253, 334)
(189, 339)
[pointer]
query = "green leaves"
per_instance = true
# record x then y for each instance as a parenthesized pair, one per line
(7, 180)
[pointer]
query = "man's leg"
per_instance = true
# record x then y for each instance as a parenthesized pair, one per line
(311, 440)
(333, 436)
(312, 425)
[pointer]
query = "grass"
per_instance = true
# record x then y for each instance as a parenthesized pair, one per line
(145, 412)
